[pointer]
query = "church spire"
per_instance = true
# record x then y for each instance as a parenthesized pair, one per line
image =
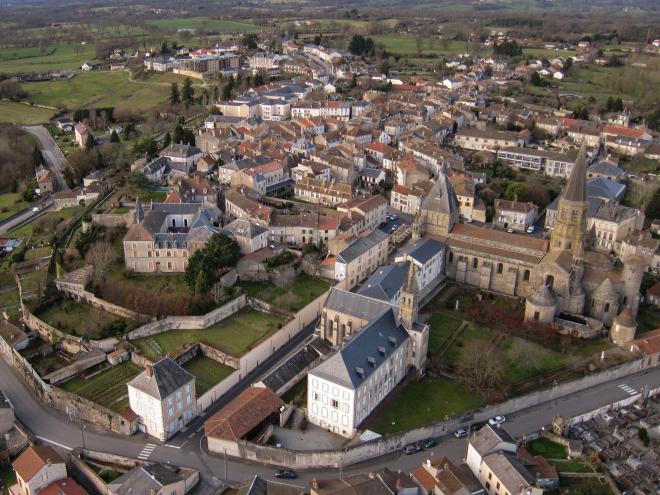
(576, 189)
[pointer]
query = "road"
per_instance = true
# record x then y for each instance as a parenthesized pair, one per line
(53, 427)
(51, 152)
(26, 215)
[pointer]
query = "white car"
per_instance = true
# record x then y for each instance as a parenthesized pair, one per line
(35, 209)
(530, 230)
(509, 230)
(497, 420)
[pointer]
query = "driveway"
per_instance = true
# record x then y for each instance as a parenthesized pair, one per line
(52, 154)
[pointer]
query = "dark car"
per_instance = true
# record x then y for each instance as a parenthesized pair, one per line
(288, 474)
(412, 448)
(430, 442)
(478, 425)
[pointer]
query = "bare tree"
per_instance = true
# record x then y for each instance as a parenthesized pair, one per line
(479, 367)
(101, 255)
(525, 354)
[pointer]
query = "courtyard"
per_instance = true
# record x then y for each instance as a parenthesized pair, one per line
(234, 335)
(292, 298)
(207, 372)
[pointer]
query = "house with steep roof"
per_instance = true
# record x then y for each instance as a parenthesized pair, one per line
(440, 476)
(361, 258)
(386, 283)
(249, 236)
(428, 255)
(383, 482)
(163, 397)
(514, 215)
(155, 479)
(67, 486)
(260, 486)
(37, 467)
(247, 417)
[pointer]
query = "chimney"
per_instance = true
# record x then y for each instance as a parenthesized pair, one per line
(149, 371)
(315, 484)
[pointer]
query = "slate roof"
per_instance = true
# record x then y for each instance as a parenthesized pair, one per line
(351, 365)
(143, 479)
(244, 413)
(243, 228)
(180, 151)
(260, 486)
(509, 470)
(296, 363)
(576, 189)
(385, 282)
(604, 189)
(441, 198)
(361, 246)
(605, 168)
(357, 305)
(488, 438)
(425, 249)
(167, 377)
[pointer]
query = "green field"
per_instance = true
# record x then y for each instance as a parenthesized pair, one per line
(8, 293)
(406, 44)
(546, 448)
(424, 402)
(161, 283)
(43, 228)
(292, 298)
(214, 25)
(235, 335)
(441, 327)
(51, 58)
(18, 113)
(10, 203)
(82, 320)
(98, 89)
(207, 372)
(108, 388)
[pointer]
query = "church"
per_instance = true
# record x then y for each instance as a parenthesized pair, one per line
(581, 292)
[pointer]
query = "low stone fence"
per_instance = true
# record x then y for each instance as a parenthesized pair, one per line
(87, 297)
(218, 390)
(78, 366)
(69, 343)
(189, 322)
(392, 443)
(111, 220)
(268, 308)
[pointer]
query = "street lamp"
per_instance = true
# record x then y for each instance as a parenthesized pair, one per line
(82, 432)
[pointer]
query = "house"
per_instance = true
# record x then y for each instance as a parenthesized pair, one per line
(485, 140)
(409, 199)
(82, 133)
(610, 224)
(357, 261)
(86, 67)
(45, 180)
(298, 229)
(239, 205)
(514, 215)
(38, 467)
(318, 191)
(653, 295)
(440, 476)
(259, 486)
(648, 345)
(345, 388)
(155, 479)
(384, 482)
(605, 169)
(165, 237)
(182, 157)
(364, 212)
(247, 417)
(67, 486)
(163, 397)
(386, 283)
(409, 172)
(250, 237)
(428, 255)
(64, 124)
(552, 163)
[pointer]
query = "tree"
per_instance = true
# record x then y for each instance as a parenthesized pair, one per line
(250, 41)
(480, 370)
(167, 140)
(653, 208)
(258, 79)
(568, 64)
(206, 265)
(516, 191)
(187, 93)
(164, 49)
(174, 94)
(101, 256)
(643, 436)
(114, 137)
(536, 78)
(89, 142)
(580, 111)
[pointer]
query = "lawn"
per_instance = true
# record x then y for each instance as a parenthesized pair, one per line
(571, 466)
(10, 203)
(213, 25)
(297, 394)
(292, 298)
(98, 89)
(441, 327)
(429, 400)
(161, 283)
(50, 58)
(235, 335)
(406, 44)
(207, 372)
(8, 293)
(647, 319)
(19, 113)
(108, 388)
(43, 228)
(547, 449)
(38, 252)
(79, 319)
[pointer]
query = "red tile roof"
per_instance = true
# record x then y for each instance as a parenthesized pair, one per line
(33, 459)
(648, 343)
(67, 486)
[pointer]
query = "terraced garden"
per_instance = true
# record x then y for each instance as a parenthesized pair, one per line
(107, 388)
(207, 373)
(292, 298)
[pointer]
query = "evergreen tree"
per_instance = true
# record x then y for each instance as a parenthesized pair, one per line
(174, 94)
(177, 135)
(89, 143)
(536, 78)
(258, 79)
(187, 93)
(167, 140)
(114, 137)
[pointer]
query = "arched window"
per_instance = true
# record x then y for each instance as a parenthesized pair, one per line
(500, 268)
(475, 262)
(526, 276)
(607, 307)
(451, 256)
(549, 281)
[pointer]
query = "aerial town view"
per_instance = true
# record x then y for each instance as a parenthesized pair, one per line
(306, 247)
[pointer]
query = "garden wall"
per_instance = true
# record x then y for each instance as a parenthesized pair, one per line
(268, 308)
(218, 390)
(392, 443)
(69, 343)
(85, 362)
(189, 322)
(111, 220)
(87, 297)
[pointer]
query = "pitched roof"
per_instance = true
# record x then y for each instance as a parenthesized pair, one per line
(359, 305)
(33, 459)
(649, 343)
(67, 486)
(244, 413)
(576, 189)
(360, 246)
(385, 282)
(166, 377)
(488, 438)
(425, 249)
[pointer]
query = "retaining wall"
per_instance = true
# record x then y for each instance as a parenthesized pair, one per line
(78, 366)
(111, 220)
(87, 297)
(392, 443)
(51, 334)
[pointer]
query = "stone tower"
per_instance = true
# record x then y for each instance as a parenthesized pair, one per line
(408, 307)
(541, 305)
(633, 273)
(569, 233)
(623, 327)
(439, 210)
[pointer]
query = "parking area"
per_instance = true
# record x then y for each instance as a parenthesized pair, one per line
(312, 438)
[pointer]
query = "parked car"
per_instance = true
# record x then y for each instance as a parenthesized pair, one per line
(509, 230)
(478, 425)
(461, 433)
(497, 420)
(469, 220)
(430, 442)
(394, 216)
(412, 448)
(394, 227)
(288, 474)
(530, 229)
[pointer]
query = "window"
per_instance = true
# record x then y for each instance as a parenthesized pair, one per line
(607, 307)
(526, 276)
(475, 262)
(549, 281)
(335, 403)
(451, 257)
(536, 316)
(500, 268)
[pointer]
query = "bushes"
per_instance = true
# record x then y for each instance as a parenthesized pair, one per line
(281, 259)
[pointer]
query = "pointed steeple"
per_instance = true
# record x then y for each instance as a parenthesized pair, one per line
(576, 189)
(408, 307)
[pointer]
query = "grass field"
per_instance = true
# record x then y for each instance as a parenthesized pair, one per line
(207, 372)
(108, 388)
(161, 283)
(10, 203)
(96, 89)
(214, 25)
(54, 57)
(80, 319)
(571, 466)
(234, 335)
(292, 298)
(43, 229)
(8, 292)
(406, 44)
(18, 113)
(424, 402)
(442, 326)
(546, 448)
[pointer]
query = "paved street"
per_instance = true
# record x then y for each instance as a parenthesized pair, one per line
(25, 215)
(53, 427)
(51, 152)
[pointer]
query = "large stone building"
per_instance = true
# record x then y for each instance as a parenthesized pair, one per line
(563, 282)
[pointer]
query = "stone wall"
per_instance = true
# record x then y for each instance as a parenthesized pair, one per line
(267, 308)
(69, 343)
(392, 443)
(218, 390)
(78, 366)
(219, 356)
(96, 302)
(189, 322)
(111, 220)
